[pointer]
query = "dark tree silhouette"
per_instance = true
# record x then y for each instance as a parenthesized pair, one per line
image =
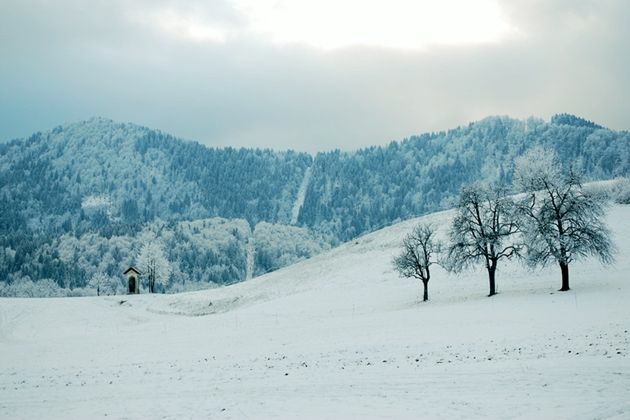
(482, 231)
(416, 258)
(562, 222)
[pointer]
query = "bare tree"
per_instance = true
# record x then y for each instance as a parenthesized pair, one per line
(153, 262)
(562, 222)
(104, 284)
(416, 258)
(98, 281)
(482, 231)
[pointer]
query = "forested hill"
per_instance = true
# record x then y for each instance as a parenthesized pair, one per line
(134, 174)
(102, 179)
(352, 193)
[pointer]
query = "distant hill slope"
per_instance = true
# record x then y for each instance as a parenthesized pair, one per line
(360, 274)
(99, 177)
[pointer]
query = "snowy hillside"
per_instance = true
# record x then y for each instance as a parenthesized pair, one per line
(98, 179)
(336, 336)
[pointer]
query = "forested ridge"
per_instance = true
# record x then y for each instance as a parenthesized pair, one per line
(104, 184)
(352, 193)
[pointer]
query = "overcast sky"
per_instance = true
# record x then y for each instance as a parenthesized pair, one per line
(310, 75)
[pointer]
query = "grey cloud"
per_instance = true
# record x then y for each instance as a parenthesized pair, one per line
(69, 61)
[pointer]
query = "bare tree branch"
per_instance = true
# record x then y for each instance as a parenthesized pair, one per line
(416, 258)
(485, 223)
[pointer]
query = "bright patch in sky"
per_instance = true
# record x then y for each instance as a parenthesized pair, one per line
(187, 26)
(331, 24)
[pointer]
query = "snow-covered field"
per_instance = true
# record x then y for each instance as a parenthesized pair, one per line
(337, 336)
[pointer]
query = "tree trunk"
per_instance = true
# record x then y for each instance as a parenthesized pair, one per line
(491, 277)
(564, 268)
(425, 296)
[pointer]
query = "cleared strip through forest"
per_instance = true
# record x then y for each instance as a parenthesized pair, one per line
(299, 200)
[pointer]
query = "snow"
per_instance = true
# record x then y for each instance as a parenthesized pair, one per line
(299, 199)
(96, 201)
(336, 336)
(251, 254)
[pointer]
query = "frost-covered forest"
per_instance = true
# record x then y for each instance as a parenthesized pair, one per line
(353, 193)
(81, 199)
